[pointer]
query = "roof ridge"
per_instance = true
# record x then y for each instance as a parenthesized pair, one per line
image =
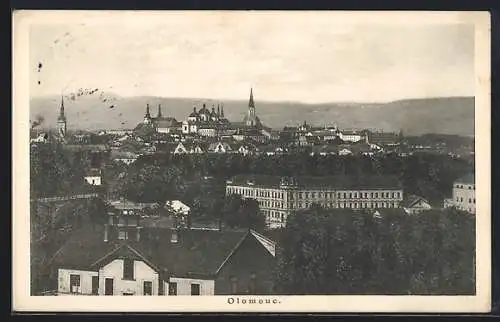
(232, 252)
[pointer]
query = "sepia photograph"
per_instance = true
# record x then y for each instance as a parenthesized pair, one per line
(267, 161)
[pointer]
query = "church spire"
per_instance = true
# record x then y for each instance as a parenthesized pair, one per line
(61, 110)
(159, 111)
(61, 120)
(222, 110)
(250, 102)
(218, 110)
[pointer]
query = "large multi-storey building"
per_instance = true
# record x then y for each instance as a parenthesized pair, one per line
(278, 196)
(463, 194)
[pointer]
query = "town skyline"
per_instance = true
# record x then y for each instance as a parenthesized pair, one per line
(301, 60)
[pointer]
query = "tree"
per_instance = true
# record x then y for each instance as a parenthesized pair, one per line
(243, 213)
(341, 251)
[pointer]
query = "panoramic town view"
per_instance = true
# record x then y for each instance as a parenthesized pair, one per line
(147, 193)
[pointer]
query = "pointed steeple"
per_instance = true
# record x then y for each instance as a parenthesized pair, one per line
(61, 110)
(218, 110)
(159, 111)
(250, 102)
(61, 120)
(222, 110)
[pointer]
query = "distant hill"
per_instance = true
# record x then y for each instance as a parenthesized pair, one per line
(453, 115)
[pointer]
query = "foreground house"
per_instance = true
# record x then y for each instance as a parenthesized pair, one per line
(167, 262)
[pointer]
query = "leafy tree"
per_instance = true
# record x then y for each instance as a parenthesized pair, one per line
(341, 251)
(243, 213)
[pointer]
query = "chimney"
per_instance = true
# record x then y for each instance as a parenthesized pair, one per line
(106, 233)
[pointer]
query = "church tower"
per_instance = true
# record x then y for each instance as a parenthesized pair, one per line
(251, 120)
(61, 120)
(147, 116)
(159, 112)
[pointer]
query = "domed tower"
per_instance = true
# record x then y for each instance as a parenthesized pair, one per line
(147, 116)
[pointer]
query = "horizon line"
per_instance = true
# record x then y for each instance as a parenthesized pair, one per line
(194, 99)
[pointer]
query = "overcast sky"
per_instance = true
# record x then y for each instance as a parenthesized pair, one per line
(298, 58)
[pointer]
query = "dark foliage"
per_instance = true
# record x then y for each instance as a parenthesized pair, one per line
(345, 252)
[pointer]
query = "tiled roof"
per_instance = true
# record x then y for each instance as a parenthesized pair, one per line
(339, 182)
(126, 204)
(93, 173)
(82, 249)
(165, 122)
(197, 252)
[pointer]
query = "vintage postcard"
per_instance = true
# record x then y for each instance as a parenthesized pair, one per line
(251, 161)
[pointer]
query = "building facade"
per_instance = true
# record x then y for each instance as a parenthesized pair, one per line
(278, 197)
(464, 194)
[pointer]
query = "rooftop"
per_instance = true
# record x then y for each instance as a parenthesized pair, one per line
(339, 182)
(197, 252)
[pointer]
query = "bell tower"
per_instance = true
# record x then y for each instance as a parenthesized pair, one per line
(147, 116)
(61, 120)
(251, 117)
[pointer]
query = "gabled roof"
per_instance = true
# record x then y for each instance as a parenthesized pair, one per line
(197, 252)
(412, 200)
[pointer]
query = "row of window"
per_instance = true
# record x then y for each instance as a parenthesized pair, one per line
(305, 194)
(353, 205)
(147, 288)
(271, 214)
(270, 204)
(461, 186)
(349, 195)
(471, 200)
(75, 286)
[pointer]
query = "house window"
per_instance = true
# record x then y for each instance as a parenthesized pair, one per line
(108, 286)
(74, 283)
(128, 269)
(148, 288)
(234, 285)
(172, 288)
(122, 235)
(95, 285)
(195, 289)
